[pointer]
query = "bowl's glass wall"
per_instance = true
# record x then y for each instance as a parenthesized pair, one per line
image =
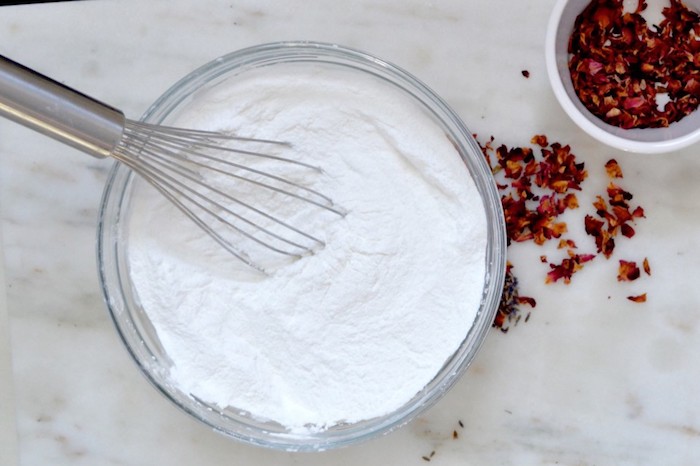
(140, 338)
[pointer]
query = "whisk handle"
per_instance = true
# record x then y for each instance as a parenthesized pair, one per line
(51, 108)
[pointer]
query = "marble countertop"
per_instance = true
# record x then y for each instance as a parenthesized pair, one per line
(590, 379)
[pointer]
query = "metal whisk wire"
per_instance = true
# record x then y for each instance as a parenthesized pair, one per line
(174, 160)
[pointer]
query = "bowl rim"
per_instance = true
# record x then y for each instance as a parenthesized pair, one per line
(115, 193)
(583, 120)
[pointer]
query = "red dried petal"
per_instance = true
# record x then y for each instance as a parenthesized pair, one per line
(628, 271)
(621, 213)
(607, 245)
(618, 196)
(566, 243)
(567, 267)
(634, 103)
(605, 16)
(692, 87)
(499, 320)
(594, 67)
(626, 230)
(646, 267)
(558, 272)
(594, 227)
(613, 169)
(527, 300)
(545, 230)
(513, 168)
(570, 201)
(601, 206)
(582, 258)
(642, 298)
(540, 140)
(560, 186)
(547, 206)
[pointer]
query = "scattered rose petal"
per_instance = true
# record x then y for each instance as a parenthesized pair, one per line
(642, 298)
(613, 169)
(540, 140)
(567, 268)
(566, 243)
(628, 271)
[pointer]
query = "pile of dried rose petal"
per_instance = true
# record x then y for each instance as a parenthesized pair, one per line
(631, 74)
(536, 187)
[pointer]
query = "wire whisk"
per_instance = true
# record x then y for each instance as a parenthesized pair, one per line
(193, 169)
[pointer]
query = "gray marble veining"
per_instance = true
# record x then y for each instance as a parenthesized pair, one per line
(591, 379)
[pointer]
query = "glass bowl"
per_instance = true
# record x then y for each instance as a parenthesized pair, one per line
(639, 140)
(138, 334)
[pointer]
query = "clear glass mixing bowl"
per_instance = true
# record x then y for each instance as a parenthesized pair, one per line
(133, 324)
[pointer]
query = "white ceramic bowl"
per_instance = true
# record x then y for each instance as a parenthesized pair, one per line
(646, 141)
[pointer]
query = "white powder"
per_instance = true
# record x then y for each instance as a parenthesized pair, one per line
(356, 330)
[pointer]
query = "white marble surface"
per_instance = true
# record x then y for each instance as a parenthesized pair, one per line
(591, 379)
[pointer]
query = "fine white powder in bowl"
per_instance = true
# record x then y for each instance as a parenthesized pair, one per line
(354, 331)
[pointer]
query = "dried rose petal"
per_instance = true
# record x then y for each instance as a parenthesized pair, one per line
(566, 243)
(642, 298)
(593, 226)
(607, 245)
(540, 140)
(594, 67)
(692, 87)
(626, 230)
(567, 267)
(621, 214)
(601, 206)
(570, 201)
(646, 267)
(527, 300)
(618, 196)
(628, 271)
(613, 169)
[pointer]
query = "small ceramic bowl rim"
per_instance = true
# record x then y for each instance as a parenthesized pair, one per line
(611, 135)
